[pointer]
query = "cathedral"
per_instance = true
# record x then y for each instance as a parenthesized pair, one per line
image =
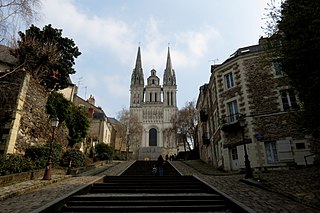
(155, 106)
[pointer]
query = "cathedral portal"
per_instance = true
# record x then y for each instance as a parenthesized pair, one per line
(153, 137)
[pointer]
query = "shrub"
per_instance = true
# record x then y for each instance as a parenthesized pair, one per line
(76, 157)
(10, 164)
(119, 156)
(103, 151)
(39, 154)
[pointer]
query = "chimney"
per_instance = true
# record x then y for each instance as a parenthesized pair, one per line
(90, 112)
(91, 100)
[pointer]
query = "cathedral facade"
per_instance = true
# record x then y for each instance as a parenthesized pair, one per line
(155, 106)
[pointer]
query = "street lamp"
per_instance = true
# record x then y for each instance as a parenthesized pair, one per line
(47, 173)
(248, 170)
(127, 142)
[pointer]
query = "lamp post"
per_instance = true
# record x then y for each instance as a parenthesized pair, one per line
(248, 170)
(47, 173)
(127, 143)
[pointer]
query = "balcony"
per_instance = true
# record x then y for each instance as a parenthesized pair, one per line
(231, 123)
(203, 116)
(205, 138)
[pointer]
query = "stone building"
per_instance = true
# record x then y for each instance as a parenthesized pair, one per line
(155, 106)
(252, 87)
(118, 140)
(100, 128)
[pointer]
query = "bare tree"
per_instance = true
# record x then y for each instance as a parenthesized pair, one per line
(130, 130)
(185, 124)
(272, 17)
(15, 14)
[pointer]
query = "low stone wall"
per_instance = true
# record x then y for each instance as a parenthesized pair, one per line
(24, 176)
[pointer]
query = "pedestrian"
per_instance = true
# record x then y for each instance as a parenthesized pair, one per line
(167, 157)
(160, 165)
(154, 170)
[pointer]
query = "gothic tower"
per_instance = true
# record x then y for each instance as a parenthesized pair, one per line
(137, 83)
(155, 106)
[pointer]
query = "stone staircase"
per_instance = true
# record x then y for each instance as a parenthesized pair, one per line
(144, 168)
(142, 192)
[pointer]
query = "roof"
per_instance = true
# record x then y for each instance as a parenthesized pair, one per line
(6, 57)
(113, 120)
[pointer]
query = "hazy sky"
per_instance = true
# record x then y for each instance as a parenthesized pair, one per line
(108, 33)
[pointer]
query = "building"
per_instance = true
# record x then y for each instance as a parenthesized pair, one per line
(118, 140)
(100, 128)
(155, 106)
(250, 86)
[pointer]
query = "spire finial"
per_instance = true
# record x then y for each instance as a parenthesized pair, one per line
(169, 64)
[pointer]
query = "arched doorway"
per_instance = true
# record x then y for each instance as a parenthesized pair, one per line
(152, 137)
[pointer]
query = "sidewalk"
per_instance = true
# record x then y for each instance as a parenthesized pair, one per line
(30, 185)
(279, 191)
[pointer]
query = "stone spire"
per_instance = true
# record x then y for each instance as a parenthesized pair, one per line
(169, 76)
(137, 74)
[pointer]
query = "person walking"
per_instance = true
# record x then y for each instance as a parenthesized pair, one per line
(160, 165)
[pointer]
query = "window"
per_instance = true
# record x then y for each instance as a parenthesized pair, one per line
(234, 153)
(155, 97)
(152, 81)
(300, 146)
(271, 152)
(277, 66)
(289, 101)
(150, 96)
(232, 110)
(229, 80)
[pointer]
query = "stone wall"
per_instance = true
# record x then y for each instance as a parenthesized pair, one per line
(25, 121)
(10, 86)
(34, 126)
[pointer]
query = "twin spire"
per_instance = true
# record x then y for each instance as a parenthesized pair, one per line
(169, 77)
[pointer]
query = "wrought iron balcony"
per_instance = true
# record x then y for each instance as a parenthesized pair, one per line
(205, 138)
(203, 116)
(231, 123)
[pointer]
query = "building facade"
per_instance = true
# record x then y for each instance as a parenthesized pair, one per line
(250, 86)
(155, 106)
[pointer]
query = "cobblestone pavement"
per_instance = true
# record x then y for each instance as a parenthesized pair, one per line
(31, 201)
(275, 199)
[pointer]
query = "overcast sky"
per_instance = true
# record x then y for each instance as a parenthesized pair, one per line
(108, 33)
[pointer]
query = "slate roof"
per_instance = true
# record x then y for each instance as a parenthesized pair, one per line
(6, 57)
